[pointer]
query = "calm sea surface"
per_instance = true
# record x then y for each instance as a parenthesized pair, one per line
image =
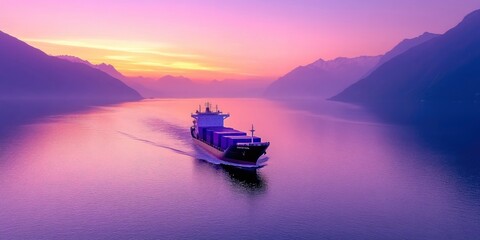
(131, 171)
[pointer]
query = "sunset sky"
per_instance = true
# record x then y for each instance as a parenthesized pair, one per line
(220, 39)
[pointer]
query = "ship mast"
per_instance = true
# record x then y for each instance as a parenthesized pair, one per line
(252, 131)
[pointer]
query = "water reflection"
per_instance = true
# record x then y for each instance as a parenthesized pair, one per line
(15, 113)
(450, 129)
(454, 133)
(319, 106)
(248, 181)
(451, 132)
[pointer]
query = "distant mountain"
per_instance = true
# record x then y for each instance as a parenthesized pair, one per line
(170, 86)
(321, 78)
(179, 86)
(445, 69)
(28, 73)
(169, 81)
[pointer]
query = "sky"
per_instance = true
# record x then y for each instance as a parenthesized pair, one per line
(223, 39)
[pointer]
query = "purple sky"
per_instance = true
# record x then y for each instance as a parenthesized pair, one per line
(225, 38)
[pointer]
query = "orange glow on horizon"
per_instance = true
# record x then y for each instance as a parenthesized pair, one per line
(148, 60)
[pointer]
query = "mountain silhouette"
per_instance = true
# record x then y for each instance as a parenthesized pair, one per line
(174, 81)
(139, 84)
(180, 86)
(28, 73)
(403, 46)
(442, 70)
(104, 67)
(321, 78)
(433, 88)
(170, 86)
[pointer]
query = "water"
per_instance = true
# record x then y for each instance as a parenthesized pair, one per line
(130, 171)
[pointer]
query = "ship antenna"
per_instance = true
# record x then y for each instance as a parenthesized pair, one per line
(252, 131)
(199, 107)
(216, 107)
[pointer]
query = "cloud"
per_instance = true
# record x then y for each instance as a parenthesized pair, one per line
(121, 57)
(181, 65)
(138, 58)
(117, 46)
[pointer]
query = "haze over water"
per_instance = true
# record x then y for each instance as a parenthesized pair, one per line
(131, 171)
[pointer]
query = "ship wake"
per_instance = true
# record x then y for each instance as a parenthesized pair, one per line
(157, 144)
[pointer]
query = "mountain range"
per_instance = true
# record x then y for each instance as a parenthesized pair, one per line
(179, 86)
(28, 73)
(326, 78)
(444, 69)
(403, 46)
(170, 86)
(321, 78)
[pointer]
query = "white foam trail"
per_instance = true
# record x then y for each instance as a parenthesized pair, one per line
(156, 144)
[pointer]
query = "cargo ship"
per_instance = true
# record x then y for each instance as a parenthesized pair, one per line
(225, 143)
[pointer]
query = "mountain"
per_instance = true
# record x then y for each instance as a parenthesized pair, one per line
(137, 83)
(169, 81)
(106, 68)
(443, 70)
(321, 78)
(179, 86)
(28, 73)
(405, 45)
(170, 86)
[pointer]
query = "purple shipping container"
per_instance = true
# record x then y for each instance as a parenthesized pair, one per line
(201, 132)
(209, 133)
(228, 141)
(217, 136)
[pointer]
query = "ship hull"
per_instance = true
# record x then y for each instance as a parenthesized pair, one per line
(245, 153)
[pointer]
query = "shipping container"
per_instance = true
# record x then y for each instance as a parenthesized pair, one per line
(201, 132)
(228, 141)
(208, 136)
(217, 136)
